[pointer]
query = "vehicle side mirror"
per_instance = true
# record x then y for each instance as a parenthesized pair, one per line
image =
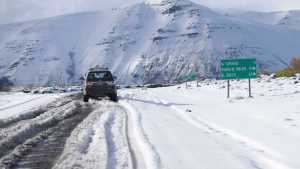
(81, 78)
(115, 77)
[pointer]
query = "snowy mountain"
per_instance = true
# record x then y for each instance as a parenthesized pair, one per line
(287, 19)
(143, 43)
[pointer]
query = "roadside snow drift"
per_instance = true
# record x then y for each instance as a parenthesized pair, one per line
(14, 104)
(197, 127)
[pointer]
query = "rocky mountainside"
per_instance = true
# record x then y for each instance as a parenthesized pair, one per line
(144, 43)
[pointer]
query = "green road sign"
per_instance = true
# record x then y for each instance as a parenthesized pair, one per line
(238, 69)
(192, 76)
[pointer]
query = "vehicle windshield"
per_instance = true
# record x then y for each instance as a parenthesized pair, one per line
(99, 76)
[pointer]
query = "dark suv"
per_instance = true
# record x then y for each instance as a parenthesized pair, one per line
(99, 82)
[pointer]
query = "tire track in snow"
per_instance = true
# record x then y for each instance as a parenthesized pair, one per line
(28, 130)
(150, 157)
(264, 157)
(31, 134)
(116, 140)
(99, 142)
(130, 145)
(85, 148)
(46, 151)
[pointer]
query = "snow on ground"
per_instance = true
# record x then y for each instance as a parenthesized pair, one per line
(100, 141)
(16, 140)
(198, 127)
(177, 127)
(15, 103)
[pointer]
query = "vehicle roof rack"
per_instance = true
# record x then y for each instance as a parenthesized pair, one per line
(98, 69)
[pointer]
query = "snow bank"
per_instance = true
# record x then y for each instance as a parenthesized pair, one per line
(37, 110)
(14, 104)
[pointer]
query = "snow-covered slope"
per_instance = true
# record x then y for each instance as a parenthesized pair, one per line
(143, 43)
(47, 50)
(291, 20)
(286, 19)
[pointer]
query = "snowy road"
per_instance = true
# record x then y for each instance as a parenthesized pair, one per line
(100, 141)
(163, 128)
(199, 128)
(66, 133)
(36, 138)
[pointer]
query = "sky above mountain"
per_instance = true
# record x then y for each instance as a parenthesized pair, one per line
(20, 10)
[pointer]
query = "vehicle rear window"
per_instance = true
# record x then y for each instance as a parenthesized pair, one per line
(99, 76)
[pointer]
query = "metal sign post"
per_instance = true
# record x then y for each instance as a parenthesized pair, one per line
(250, 95)
(238, 69)
(228, 88)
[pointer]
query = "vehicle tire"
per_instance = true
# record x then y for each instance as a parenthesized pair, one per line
(114, 98)
(85, 99)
